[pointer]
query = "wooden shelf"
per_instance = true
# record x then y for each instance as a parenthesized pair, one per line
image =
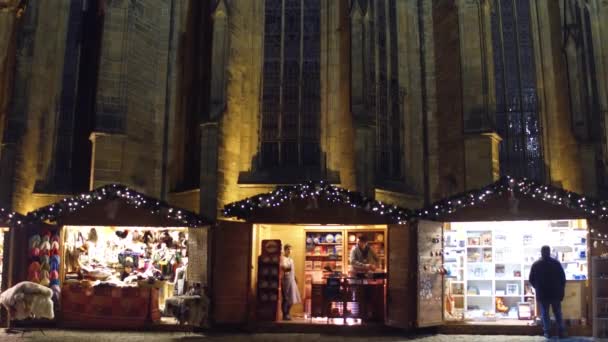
(337, 256)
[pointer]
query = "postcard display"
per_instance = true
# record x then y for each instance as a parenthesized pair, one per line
(487, 268)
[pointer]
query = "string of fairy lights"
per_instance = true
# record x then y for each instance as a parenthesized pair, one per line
(314, 191)
(11, 218)
(115, 191)
(522, 187)
(505, 185)
(324, 191)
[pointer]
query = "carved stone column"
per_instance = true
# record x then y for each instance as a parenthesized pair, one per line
(477, 65)
(482, 161)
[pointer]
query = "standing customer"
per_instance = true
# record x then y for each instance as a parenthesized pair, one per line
(549, 280)
(291, 295)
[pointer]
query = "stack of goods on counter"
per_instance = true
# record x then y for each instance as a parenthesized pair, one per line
(44, 261)
(268, 280)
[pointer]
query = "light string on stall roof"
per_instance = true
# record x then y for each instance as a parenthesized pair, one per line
(522, 187)
(11, 218)
(516, 187)
(116, 191)
(313, 191)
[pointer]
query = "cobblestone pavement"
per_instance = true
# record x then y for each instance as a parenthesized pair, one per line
(69, 335)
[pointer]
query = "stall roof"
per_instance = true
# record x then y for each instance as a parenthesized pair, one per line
(315, 202)
(515, 199)
(116, 204)
(10, 218)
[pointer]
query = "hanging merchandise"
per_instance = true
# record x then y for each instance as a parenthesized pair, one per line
(44, 261)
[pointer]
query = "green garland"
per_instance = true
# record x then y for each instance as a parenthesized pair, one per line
(115, 191)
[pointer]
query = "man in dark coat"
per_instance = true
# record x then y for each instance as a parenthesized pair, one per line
(549, 280)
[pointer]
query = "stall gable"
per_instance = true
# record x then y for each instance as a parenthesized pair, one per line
(315, 203)
(401, 290)
(514, 199)
(231, 260)
(117, 205)
(430, 273)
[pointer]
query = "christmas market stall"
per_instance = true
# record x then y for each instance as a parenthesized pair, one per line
(489, 239)
(116, 258)
(323, 224)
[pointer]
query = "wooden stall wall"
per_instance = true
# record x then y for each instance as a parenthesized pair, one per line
(231, 272)
(198, 256)
(401, 284)
(430, 280)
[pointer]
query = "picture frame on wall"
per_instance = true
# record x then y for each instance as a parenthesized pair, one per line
(512, 289)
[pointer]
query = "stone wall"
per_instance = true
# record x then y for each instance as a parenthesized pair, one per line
(27, 150)
(7, 60)
(561, 151)
(449, 98)
(132, 92)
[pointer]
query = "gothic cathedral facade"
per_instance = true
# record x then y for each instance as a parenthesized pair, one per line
(206, 102)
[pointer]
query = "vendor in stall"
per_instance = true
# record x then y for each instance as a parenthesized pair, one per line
(362, 258)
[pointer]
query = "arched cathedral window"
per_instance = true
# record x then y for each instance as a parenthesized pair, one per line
(291, 102)
(388, 94)
(377, 96)
(517, 117)
(580, 58)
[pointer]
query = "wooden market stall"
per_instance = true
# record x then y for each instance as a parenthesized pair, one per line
(322, 223)
(489, 239)
(116, 258)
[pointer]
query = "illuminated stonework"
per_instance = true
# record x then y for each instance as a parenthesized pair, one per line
(175, 106)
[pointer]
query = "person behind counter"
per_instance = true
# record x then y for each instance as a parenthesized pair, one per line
(291, 294)
(362, 257)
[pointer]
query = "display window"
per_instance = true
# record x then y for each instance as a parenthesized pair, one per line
(127, 257)
(331, 289)
(487, 266)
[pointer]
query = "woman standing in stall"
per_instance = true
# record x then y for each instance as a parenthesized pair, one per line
(291, 295)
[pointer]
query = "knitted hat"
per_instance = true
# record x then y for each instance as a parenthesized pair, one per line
(45, 245)
(34, 272)
(54, 275)
(55, 238)
(44, 278)
(35, 252)
(34, 241)
(55, 245)
(54, 263)
(45, 267)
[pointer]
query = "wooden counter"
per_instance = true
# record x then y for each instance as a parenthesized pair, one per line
(109, 307)
(349, 299)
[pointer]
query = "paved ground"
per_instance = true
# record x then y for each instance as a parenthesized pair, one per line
(64, 335)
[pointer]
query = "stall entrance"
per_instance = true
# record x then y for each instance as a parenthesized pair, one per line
(331, 291)
(487, 267)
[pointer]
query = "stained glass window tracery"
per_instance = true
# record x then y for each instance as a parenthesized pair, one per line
(384, 91)
(517, 117)
(291, 84)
